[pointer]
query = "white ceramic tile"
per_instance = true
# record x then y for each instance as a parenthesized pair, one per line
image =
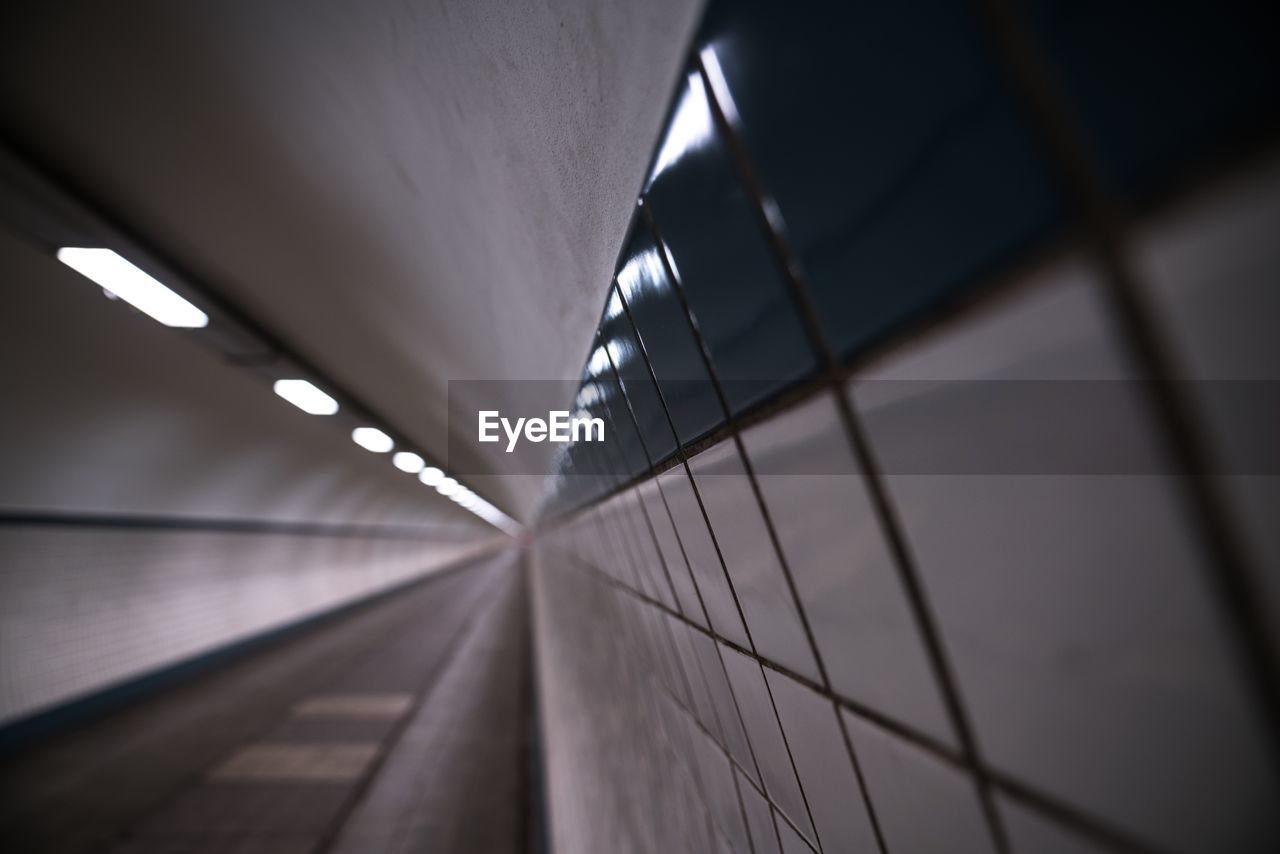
(764, 837)
(848, 584)
(923, 805)
(766, 737)
(647, 548)
(672, 555)
(628, 570)
(716, 773)
(821, 759)
(604, 551)
(751, 559)
(1029, 832)
(792, 842)
(643, 551)
(724, 703)
(700, 551)
(1093, 659)
(703, 708)
(670, 668)
(1213, 276)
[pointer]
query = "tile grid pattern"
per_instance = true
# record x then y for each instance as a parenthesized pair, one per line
(857, 440)
(1103, 224)
(622, 541)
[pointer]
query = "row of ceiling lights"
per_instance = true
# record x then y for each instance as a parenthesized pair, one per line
(127, 282)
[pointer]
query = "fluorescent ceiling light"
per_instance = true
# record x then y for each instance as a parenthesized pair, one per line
(372, 439)
(493, 515)
(306, 397)
(431, 475)
(447, 487)
(408, 461)
(133, 286)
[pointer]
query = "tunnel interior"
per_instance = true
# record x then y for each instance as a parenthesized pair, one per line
(927, 501)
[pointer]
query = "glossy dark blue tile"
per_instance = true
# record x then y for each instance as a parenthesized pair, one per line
(663, 328)
(1159, 88)
(887, 137)
(622, 437)
(601, 466)
(619, 339)
(717, 248)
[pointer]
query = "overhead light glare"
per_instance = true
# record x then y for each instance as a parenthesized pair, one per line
(372, 439)
(408, 461)
(431, 475)
(447, 487)
(493, 515)
(306, 397)
(132, 285)
(691, 127)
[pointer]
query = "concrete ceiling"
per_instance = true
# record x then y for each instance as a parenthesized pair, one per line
(107, 413)
(407, 193)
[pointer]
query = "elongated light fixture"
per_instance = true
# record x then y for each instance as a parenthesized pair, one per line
(306, 397)
(408, 461)
(132, 285)
(372, 439)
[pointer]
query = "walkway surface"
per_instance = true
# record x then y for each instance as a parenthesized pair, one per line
(402, 726)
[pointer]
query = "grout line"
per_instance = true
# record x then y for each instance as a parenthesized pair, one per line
(1022, 277)
(657, 548)
(742, 806)
(1226, 566)
(876, 487)
(904, 731)
(678, 455)
(616, 526)
(685, 679)
(681, 456)
(1104, 232)
(640, 652)
(627, 517)
(740, 772)
(735, 434)
(697, 493)
(683, 461)
(644, 448)
(705, 353)
(1005, 784)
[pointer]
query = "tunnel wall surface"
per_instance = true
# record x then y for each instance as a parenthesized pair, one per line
(158, 503)
(88, 608)
(939, 510)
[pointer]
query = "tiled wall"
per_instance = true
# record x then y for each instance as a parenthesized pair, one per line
(932, 520)
(84, 609)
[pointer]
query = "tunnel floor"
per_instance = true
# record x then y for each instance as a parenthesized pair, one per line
(401, 726)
